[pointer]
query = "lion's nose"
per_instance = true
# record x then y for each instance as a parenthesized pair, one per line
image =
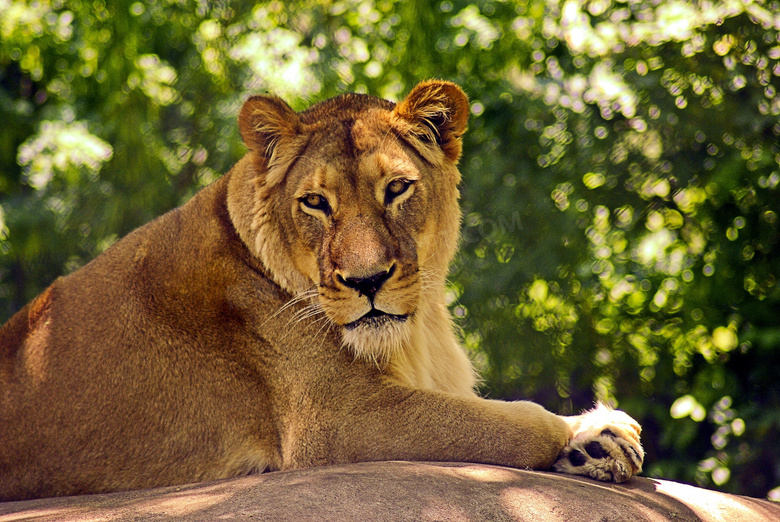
(368, 286)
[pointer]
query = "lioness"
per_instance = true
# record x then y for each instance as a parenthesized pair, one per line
(291, 314)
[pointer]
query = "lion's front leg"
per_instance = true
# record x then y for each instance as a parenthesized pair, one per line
(605, 446)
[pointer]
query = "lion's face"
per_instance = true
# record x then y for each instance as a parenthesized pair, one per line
(356, 206)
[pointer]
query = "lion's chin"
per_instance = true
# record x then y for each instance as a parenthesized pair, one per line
(377, 336)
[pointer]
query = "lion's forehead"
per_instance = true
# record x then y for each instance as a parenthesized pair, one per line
(353, 154)
(372, 132)
(351, 134)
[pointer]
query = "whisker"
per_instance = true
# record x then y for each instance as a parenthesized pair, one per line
(325, 323)
(309, 314)
(313, 323)
(305, 313)
(307, 294)
(307, 308)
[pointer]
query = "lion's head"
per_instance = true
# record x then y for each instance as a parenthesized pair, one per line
(352, 205)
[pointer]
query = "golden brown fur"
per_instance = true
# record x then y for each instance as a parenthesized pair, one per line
(292, 314)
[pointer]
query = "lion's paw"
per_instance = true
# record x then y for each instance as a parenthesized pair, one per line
(605, 446)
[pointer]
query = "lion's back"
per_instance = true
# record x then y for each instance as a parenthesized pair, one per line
(118, 370)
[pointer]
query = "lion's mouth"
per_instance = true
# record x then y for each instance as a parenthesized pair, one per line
(376, 319)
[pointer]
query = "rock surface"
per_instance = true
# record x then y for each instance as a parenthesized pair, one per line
(418, 491)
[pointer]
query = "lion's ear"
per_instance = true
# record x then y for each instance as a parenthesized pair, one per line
(265, 122)
(438, 111)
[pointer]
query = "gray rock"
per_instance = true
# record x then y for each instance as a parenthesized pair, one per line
(418, 491)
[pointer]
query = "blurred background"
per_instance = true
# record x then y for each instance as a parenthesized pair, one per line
(620, 193)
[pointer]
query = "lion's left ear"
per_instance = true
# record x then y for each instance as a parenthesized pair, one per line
(437, 111)
(267, 123)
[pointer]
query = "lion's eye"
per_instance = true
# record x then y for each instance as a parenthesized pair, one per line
(395, 188)
(316, 202)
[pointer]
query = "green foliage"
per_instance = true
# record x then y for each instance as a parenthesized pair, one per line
(621, 174)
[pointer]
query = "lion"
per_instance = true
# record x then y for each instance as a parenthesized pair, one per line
(291, 314)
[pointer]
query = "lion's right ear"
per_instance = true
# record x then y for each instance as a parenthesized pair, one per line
(436, 111)
(265, 122)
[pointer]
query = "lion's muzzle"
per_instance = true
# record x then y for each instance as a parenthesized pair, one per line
(367, 286)
(376, 319)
